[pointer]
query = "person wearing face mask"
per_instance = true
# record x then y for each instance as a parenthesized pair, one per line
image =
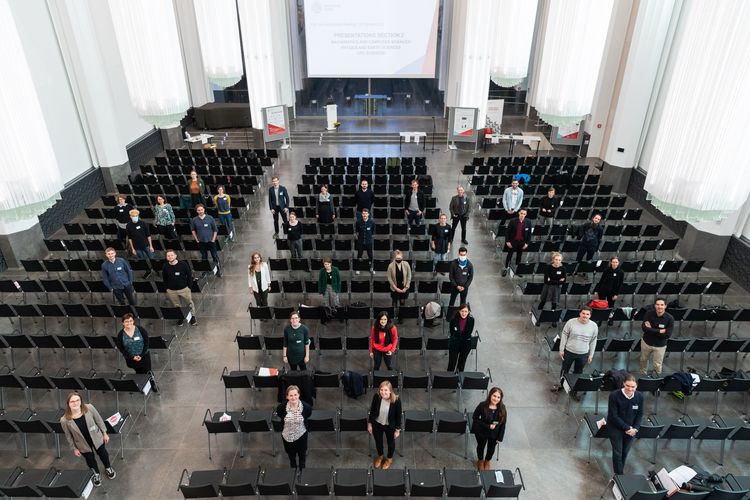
(384, 419)
(488, 426)
(293, 230)
(517, 238)
(294, 414)
(399, 279)
(204, 233)
(139, 239)
(624, 415)
(383, 340)
(196, 188)
(459, 342)
(329, 284)
(461, 274)
(178, 277)
(591, 234)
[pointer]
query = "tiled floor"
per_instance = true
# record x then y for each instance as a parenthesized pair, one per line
(540, 439)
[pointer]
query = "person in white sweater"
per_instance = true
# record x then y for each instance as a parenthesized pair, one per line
(577, 344)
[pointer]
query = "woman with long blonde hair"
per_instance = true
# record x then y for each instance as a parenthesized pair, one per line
(385, 419)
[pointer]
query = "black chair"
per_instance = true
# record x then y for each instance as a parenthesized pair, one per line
(255, 421)
(214, 425)
(463, 483)
(390, 482)
(277, 482)
(351, 482)
(447, 381)
(636, 487)
(425, 482)
(238, 379)
(239, 482)
(25, 482)
(353, 421)
(201, 483)
(322, 421)
(451, 422)
(505, 489)
(315, 481)
(418, 421)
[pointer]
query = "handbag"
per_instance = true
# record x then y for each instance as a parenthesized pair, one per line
(598, 304)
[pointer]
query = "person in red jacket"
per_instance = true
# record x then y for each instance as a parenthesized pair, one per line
(383, 340)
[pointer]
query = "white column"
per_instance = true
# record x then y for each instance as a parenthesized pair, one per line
(282, 51)
(199, 89)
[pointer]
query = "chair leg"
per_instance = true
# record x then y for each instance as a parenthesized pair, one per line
(209, 446)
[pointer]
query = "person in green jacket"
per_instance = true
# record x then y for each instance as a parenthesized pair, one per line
(329, 284)
(459, 342)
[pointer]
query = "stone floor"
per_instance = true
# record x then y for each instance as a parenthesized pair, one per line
(540, 439)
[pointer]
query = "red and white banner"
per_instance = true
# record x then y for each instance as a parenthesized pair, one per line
(276, 124)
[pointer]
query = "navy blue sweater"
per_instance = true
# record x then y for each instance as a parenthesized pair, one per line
(624, 413)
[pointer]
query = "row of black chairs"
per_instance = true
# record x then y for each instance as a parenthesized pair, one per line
(94, 266)
(407, 171)
(618, 246)
(47, 483)
(165, 186)
(532, 191)
(614, 215)
(577, 171)
(96, 230)
(97, 246)
(561, 180)
(526, 161)
(209, 166)
(568, 204)
(630, 267)
(147, 212)
(221, 153)
(639, 487)
(390, 161)
(434, 483)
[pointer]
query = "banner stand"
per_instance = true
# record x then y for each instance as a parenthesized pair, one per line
(462, 127)
(276, 125)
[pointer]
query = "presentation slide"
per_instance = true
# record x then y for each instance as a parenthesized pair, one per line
(383, 39)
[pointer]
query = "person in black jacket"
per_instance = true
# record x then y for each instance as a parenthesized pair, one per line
(293, 229)
(324, 211)
(548, 207)
(414, 203)
(121, 213)
(384, 419)
(610, 283)
(554, 278)
(517, 238)
(461, 274)
(657, 328)
(624, 416)
(590, 234)
(294, 414)
(132, 342)
(278, 203)
(364, 198)
(459, 342)
(178, 278)
(488, 426)
(441, 236)
(365, 233)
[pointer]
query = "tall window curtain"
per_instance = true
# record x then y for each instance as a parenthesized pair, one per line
(514, 33)
(29, 175)
(698, 165)
(574, 40)
(262, 83)
(220, 41)
(146, 32)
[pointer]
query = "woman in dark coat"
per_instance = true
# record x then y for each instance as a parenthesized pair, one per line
(488, 426)
(384, 419)
(324, 210)
(459, 342)
(132, 341)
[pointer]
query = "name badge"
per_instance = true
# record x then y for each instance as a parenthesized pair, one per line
(121, 210)
(137, 227)
(136, 338)
(299, 341)
(118, 269)
(662, 326)
(205, 225)
(559, 272)
(635, 407)
(464, 273)
(367, 228)
(176, 274)
(93, 428)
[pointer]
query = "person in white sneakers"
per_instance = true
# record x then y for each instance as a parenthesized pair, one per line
(87, 435)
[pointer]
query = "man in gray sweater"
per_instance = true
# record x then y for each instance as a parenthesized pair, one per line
(577, 344)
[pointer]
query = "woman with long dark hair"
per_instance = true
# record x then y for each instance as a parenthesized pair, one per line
(459, 342)
(383, 340)
(488, 426)
(259, 279)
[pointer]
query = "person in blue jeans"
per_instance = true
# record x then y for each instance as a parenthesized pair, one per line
(205, 232)
(223, 204)
(624, 416)
(118, 277)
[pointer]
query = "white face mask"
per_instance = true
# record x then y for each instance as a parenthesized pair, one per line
(134, 219)
(462, 259)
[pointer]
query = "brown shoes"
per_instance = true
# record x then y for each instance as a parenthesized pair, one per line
(378, 462)
(387, 463)
(480, 464)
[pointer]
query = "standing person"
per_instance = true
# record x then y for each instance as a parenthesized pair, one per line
(324, 211)
(132, 341)
(512, 198)
(118, 277)
(488, 425)
(364, 198)
(164, 218)
(196, 188)
(577, 345)
(87, 435)
(554, 278)
(296, 350)
(293, 230)
(517, 238)
(178, 278)
(460, 209)
(441, 236)
(399, 279)
(204, 233)
(459, 343)
(591, 234)
(365, 234)
(384, 419)
(294, 414)
(223, 203)
(414, 204)
(461, 274)
(122, 216)
(383, 340)
(548, 207)
(139, 239)
(259, 279)
(624, 415)
(329, 284)
(657, 327)
(610, 283)
(278, 203)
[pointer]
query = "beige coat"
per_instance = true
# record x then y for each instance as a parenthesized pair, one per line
(96, 428)
(392, 274)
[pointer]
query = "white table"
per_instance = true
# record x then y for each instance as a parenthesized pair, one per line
(496, 138)
(412, 137)
(202, 138)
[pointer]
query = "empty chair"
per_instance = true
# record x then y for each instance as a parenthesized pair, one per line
(507, 488)
(463, 483)
(315, 481)
(351, 482)
(277, 482)
(391, 482)
(201, 483)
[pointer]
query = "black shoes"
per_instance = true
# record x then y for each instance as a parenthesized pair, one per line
(505, 272)
(464, 242)
(193, 321)
(180, 322)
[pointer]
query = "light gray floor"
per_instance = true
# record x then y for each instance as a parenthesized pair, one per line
(540, 436)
